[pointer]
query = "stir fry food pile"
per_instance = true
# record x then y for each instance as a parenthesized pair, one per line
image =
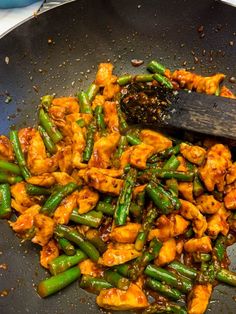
(138, 218)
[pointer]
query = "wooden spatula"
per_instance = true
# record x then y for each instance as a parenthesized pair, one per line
(157, 107)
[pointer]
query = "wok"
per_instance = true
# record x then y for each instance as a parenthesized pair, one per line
(84, 33)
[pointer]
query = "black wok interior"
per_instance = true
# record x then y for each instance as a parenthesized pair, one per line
(84, 33)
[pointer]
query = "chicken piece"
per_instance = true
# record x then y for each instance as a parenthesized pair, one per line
(198, 298)
(182, 166)
(155, 139)
(73, 117)
(192, 81)
(103, 183)
(140, 154)
(103, 150)
(225, 92)
(64, 210)
(230, 199)
(125, 157)
(231, 174)
(213, 171)
(121, 300)
(118, 253)
(98, 101)
(114, 173)
(138, 189)
(78, 145)
(218, 223)
(179, 246)
(25, 136)
(63, 178)
(104, 74)
(191, 212)
(58, 114)
(202, 245)
(169, 227)
(186, 190)
(110, 90)
(48, 253)
(6, 149)
(21, 198)
(208, 204)
(69, 103)
(167, 253)
(25, 222)
(111, 116)
(86, 200)
(46, 180)
(37, 160)
(44, 227)
(193, 153)
(125, 234)
(88, 267)
(65, 159)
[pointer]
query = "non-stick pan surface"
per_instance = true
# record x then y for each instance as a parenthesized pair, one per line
(199, 34)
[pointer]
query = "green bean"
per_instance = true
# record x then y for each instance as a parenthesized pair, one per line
(55, 198)
(7, 178)
(19, 154)
(58, 282)
(66, 246)
(50, 146)
(77, 238)
(64, 262)
(163, 275)
(163, 289)
(91, 219)
(85, 106)
(37, 190)
(93, 284)
(116, 280)
(94, 237)
(10, 167)
(5, 200)
(105, 208)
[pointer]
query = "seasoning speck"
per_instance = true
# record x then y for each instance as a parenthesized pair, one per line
(8, 99)
(4, 293)
(3, 266)
(136, 62)
(7, 60)
(231, 43)
(232, 79)
(49, 41)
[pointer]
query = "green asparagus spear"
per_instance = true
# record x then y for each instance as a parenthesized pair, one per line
(46, 101)
(19, 154)
(91, 219)
(37, 190)
(163, 275)
(76, 237)
(58, 282)
(92, 91)
(49, 127)
(66, 246)
(183, 269)
(89, 141)
(85, 106)
(143, 78)
(146, 226)
(94, 237)
(116, 280)
(5, 200)
(63, 262)
(8, 178)
(122, 122)
(132, 139)
(105, 208)
(101, 125)
(163, 80)
(156, 67)
(171, 164)
(93, 284)
(220, 248)
(124, 200)
(163, 289)
(50, 146)
(55, 199)
(124, 80)
(9, 167)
